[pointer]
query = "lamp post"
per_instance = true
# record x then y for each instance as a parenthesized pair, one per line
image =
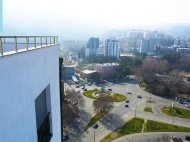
(179, 132)
(95, 126)
(136, 107)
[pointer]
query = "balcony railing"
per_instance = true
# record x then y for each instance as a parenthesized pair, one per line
(44, 134)
(27, 42)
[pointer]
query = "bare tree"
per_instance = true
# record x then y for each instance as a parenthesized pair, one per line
(103, 103)
(75, 98)
(68, 115)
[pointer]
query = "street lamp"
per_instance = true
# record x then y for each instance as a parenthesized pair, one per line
(132, 137)
(136, 107)
(95, 126)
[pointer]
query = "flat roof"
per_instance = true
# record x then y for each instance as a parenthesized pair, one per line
(88, 71)
(74, 78)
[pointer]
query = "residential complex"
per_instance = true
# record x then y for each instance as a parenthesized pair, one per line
(112, 48)
(29, 90)
(107, 70)
(92, 47)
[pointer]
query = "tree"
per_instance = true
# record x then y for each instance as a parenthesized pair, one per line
(68, 115)
(103, 103)
(75, 98)
(96, 75)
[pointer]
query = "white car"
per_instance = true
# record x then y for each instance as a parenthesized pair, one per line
(188, 106)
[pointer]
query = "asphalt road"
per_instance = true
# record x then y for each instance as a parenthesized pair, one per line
(119, 115)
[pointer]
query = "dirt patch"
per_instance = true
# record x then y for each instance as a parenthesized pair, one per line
(114, 134)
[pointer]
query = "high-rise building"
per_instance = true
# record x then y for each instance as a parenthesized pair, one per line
(147, 45)
(112, 48)
(30, 105)
(92, 47)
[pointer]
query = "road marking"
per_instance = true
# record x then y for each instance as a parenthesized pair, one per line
(126, 115)
(133, 108)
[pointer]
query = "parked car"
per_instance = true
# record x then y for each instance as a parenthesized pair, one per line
(127, 101)
(77, 86)
(126, 105)
(187, 138)
(139, 96)
(188, 106)
(83, 87)
(110, 89)
(129, 93)
(65, 137)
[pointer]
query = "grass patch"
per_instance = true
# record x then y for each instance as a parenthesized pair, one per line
(143, 84)
(133, 126)
(175, 111)
(115, 97)
(93, 120)
(150, 101)
(154, 126)
(89, 93)
(148, 109)
(118, 97)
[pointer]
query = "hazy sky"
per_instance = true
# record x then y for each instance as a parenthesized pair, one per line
(92, 14)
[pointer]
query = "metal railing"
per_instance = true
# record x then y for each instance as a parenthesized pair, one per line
(49, 40)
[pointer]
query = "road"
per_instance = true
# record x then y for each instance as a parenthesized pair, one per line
(145, 137)
(119, 115)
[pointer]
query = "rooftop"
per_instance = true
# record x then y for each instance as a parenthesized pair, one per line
(16, 44)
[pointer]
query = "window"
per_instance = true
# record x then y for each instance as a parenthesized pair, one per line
(43, 116)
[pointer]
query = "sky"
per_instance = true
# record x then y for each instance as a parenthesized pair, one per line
(85, 15)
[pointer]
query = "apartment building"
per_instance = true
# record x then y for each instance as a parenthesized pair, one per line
(112, 48)
(29, 89)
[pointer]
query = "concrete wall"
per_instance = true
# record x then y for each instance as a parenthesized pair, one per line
(23, 76)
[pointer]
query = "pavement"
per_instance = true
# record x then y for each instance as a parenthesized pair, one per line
(119, 115)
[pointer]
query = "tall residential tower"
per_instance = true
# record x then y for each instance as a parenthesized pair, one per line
(92, 47)
(112, 48)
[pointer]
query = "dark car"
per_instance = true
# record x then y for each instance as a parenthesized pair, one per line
(95, 126)
(110, 89)
(127, 101)
(126, 105)
(187, 138)
(84, 89)
(65, 137)
(181, 102)
(128, 92)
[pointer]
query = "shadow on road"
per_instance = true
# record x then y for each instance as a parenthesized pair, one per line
(77, 127)
(112, 121)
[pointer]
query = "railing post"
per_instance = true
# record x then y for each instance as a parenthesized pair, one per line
(1, 48)
(54, 40)
(41, 41)
(26, 43)
(50, 40)
(35, 42)
(46, 40)
(16, 44)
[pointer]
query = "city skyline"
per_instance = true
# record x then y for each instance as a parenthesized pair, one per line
(75, 18)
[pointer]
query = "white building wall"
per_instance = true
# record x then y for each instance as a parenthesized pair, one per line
(23, 76)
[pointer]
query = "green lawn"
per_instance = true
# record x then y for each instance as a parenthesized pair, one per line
(115, 97)
(89, 93)
(93, 120)
(154, 126)
(150, 101)
(118, 97)
(133, 126)
(143, 84)
(148, 109)
(175, 111)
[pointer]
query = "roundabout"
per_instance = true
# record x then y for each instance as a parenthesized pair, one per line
(115, 97)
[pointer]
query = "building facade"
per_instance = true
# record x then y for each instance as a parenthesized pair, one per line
(112, 48)
(29, 92)
(92, 47)
(107, 70)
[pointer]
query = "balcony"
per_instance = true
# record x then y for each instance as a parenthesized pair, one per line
(15, 44)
